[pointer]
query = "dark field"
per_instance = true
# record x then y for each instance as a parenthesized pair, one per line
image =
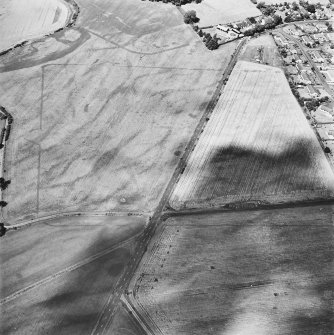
(260, 272)
(63, 272)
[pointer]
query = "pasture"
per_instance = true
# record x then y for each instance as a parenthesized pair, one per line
(56, 276)
(259, 272)
(102, 126)
(23, 20)
(257, 145)
(213, 12)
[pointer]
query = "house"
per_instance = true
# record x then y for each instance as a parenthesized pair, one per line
(321, 27)
(305, 78)
(326, 109)
(309, 28)
(317, 57)
(328, 77)
(281, 40)
(292, 69)
(313, 91)
(321, 37)
(307, 40)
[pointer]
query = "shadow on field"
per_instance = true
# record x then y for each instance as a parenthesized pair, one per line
(235, 171)
(76, 305)
(72, 303)
(272, 275)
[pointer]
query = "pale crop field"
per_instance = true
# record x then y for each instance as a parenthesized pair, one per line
(23, 20)
(57, 276)
(103, 127)
(213, 12)
(259, 272)
(257, 145)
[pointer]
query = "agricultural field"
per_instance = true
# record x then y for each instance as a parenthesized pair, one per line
(257, 145)
(213, 12)
(258, 272)
(101, 126)
(124, 324)
(269, 54)
(274, 2)
(23, 20)
(56, 276)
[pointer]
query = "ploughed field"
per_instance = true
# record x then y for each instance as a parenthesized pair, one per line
(258, 272)
(57, 276)
(22, 20)
(257, 145)
(103, 111)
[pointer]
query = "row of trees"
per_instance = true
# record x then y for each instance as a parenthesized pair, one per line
(211, 42)
(259, 28)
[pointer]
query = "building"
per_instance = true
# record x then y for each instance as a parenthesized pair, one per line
(317, 57)
(321, 27)
(307, 40)
(305, 78)
(313, 91)
(292, 69)
(321, 37)
(281, 40)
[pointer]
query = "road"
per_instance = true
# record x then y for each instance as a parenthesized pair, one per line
(106, 316)
(310, 60)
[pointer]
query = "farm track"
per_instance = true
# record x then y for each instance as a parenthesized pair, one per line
(105, 319)
(64, 271)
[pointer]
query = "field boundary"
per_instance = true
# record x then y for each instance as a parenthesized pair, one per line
(73, 13)
(68, 269)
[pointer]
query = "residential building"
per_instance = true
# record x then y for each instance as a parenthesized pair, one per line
(313, 91)
(292, 69)
(307, 40)
(317, 57)
(321, 27)
(305, 78)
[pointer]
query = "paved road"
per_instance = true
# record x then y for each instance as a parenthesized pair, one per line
(106, 316)
(310, 60)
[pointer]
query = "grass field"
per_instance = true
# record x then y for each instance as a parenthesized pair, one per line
(213, 12)
(259, 272)
(103, 127)
(257, 145)
(22, 20)
(69, 267)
